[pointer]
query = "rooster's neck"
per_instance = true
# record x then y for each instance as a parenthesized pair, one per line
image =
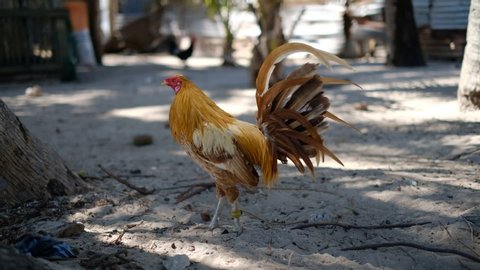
(192, 110)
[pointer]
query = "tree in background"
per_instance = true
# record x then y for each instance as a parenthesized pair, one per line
(223, 9)
(268, 17)
(469, 86)
(402, 34)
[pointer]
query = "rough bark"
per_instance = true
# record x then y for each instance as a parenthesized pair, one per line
(469, 86)
(29, 169)
(402, 35)
(270, 23)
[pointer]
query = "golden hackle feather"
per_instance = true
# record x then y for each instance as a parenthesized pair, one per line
(291, 113)
(191, 109)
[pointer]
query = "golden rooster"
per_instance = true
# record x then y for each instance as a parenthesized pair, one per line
(290, 118)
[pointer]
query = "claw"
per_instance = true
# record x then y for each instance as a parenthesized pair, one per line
(213, 224)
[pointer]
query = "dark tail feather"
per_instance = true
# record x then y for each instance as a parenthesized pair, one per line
(292, 112)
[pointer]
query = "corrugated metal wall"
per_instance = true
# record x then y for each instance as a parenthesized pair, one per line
(442, 14)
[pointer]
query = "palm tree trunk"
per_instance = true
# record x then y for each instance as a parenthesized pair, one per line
(469, 86)
(402, 33)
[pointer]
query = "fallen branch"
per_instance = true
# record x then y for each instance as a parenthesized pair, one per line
(458, 240)
(141, 190)
(193, 190)
(351, 226)
(209, 184)
(271, 223)
(417, 246)
(300, 189)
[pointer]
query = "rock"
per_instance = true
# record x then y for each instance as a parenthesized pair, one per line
(177, 262)
(71, 229)
(33, 91)
(143, 139)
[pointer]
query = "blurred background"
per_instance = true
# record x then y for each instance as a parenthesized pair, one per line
(57, 36)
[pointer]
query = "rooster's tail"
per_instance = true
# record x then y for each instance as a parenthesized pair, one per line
(291, 112)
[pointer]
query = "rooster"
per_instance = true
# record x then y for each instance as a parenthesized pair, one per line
(291, 114)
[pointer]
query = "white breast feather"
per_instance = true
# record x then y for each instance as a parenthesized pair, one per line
(214, 140)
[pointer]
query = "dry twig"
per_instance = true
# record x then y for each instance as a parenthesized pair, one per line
(417, 246)
(209, 184)
(469, 226)
(271, 223)
(141, 190)
(193, 190)
(351, 226)
(458, 240)
(118, 240)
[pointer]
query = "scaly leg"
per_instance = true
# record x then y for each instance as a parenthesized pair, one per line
(214, 222)
(236, 213)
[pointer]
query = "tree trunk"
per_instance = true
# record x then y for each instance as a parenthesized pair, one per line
(469, 86)
(29, 169)
(349, 48)
(94, 28)
(270, 23)
(228, 60)
(402, 35)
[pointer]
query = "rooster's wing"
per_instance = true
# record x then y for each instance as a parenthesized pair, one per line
(218, 151)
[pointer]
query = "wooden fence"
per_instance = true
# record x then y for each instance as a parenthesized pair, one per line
(35, 38)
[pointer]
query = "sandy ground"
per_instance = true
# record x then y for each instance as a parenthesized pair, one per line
(416, 159)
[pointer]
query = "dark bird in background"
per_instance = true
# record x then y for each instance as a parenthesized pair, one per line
(174, 49)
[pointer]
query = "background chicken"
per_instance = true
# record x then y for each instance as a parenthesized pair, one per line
(290, 118)
(174, 48)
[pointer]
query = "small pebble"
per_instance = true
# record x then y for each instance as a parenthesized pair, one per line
(361, 107)
(205, 216)
(33, 91)
(135, 171)
(143, 139)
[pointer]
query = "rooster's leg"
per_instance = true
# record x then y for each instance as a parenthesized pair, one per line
(236, 213)
(214, 222)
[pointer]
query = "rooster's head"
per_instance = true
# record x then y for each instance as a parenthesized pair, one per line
(175, 82)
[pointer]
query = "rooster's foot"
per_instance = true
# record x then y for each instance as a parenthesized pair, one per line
(238, 226)
(213, 225)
